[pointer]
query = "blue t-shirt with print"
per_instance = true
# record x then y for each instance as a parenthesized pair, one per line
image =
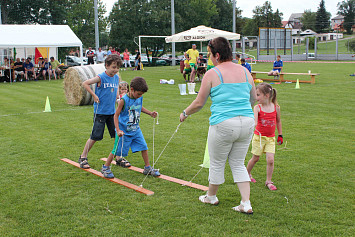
(278, 64)
(107, 93)
(130, 115)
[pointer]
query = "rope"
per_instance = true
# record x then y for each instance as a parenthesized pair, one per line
(141, 185)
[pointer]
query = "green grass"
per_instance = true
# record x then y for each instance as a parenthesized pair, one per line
(43, 196)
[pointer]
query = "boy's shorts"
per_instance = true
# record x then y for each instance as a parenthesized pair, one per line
(187, 70)
(135, 142)
(267, 145)
(193, 65)
(99, 126)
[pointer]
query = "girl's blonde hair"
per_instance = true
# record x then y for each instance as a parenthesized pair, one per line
(123, 84)
(267, 89)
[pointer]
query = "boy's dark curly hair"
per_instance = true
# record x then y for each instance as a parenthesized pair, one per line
(139, 84)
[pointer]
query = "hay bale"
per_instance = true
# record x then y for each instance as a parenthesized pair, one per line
(73, 80)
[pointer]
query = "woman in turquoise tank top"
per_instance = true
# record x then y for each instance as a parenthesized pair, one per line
(232, 92)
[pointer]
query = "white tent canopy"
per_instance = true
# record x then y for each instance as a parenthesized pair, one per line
(37, 36)
(201, 33)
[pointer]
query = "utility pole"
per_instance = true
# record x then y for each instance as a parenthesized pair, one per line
(96, 27)
(173, 32)
(234, 23)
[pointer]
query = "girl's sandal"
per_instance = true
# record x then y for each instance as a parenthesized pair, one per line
(270, 185)
(123, 162)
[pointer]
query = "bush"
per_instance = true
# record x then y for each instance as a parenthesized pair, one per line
(351, 45)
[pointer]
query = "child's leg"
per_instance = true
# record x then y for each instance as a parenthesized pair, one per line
(109, 159)
(87, 148)
(145, 158)
(269, 166)
(252, 162)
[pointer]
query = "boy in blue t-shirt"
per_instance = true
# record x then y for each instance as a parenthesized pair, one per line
(129, 134)
(276, 70)
(105, 96)
(245, 64)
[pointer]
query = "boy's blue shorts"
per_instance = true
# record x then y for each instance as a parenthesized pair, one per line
(135, 142)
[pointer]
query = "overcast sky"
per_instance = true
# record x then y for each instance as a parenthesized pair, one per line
(287, 7)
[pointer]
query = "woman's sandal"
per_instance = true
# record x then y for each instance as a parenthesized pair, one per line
(123, 162)
(270, 185)
(205, 199)
(243, 208)
(83, 162)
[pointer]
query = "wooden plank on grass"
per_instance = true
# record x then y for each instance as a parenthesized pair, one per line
(114, 180)
(168, 178)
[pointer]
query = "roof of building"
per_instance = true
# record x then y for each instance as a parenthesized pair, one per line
(338, 17)
(295, 16)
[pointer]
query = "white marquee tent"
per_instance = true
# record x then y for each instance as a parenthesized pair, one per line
(28, 36)
(201, 33)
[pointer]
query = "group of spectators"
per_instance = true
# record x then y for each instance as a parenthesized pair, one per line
(24, 69)
(101, 55)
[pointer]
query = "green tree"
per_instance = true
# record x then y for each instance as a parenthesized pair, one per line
(346, 8)
(224, 18)
(81, 19)
(322, 19)
(250, 27)
(263, 16)
(308, 20)
(351, 45)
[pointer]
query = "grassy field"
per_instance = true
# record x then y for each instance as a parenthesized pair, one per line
(43, 196)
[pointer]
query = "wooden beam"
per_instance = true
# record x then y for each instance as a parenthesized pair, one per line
(114, 180)
(168, 178)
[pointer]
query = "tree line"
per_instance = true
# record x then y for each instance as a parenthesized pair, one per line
(130, 18)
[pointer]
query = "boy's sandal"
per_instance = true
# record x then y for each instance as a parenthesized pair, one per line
(123, 162)
(271, 186)
(205, 199)
(83, 162)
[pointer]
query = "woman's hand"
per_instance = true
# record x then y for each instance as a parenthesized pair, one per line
(182, 117)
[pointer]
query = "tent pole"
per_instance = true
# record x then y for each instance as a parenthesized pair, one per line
(81, 54)
(8, 56)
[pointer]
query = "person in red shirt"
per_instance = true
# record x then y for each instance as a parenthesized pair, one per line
(126, 59)
(267, 115)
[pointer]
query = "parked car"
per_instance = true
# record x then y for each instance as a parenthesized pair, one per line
(72, 61)
(168, 58)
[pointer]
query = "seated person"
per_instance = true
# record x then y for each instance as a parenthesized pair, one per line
(187, 70)
(55, 67)
(19, 69)
(201, 69)
(40, 66)
(29, 69)
(276, 70)
(245, 64)
(47, 69)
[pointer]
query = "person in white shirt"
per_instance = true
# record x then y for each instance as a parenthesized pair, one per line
(100, 56)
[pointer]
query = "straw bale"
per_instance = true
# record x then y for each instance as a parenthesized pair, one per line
(74, 77)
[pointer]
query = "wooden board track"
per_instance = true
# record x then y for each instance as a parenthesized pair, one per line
(114, 180)
(168, 178)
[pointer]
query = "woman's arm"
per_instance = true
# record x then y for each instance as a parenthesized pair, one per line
(201, 98)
